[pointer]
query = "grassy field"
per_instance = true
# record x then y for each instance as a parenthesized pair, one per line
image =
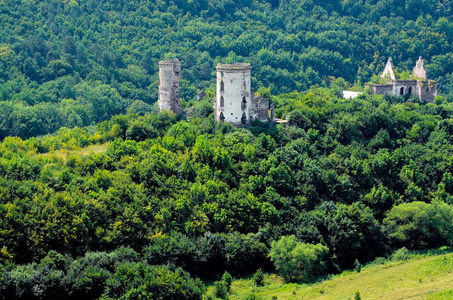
(98, 148)
(428, 277)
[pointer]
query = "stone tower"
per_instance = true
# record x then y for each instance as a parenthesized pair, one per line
(169, 73)
(233, 100)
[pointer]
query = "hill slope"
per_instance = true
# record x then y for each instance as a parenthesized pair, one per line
(420, 278)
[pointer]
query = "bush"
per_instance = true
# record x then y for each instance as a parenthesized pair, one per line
(298, 261)
(419, 225)
(258, 277)
(221, 289)
(228, 279)
(401, 255)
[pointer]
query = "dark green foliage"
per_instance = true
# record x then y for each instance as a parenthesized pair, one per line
(117, 274)
(138, 280)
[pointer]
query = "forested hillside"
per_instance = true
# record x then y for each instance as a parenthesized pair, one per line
(346, 181)
(69, 63)
(103, 197)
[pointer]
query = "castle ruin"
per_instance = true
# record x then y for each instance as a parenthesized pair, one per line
(169, 73)
(235, 101)
(425, 89)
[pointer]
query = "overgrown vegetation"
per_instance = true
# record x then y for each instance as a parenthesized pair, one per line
(346, 181)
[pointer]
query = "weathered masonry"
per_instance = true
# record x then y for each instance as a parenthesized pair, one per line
(169, 73)
(425, 89)
(235, 101)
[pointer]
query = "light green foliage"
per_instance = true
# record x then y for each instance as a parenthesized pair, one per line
(420, 225)
(298, 261)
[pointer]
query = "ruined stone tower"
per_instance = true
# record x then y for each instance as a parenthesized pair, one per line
(233, 100)
(169, 73)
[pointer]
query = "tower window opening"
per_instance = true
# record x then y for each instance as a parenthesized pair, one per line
(243, 103)
(243, 86)
(222, 86)
(244, 119)
(221, 117)
(409, 91)
(402, 91)
(222, 101)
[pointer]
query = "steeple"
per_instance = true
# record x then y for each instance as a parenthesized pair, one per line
(388, 73)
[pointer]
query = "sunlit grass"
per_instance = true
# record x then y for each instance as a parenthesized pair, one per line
(93, 149)
(423, 277)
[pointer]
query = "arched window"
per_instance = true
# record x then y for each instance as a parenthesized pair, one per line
(222, 86)
(243, 86)
(243, 103)
(221, 117)
(402, 91)
(244, 119)
(409, 91)
(222, 101)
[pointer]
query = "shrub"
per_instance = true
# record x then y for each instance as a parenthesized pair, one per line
(258, 277)
(228, 279)
(298, 261)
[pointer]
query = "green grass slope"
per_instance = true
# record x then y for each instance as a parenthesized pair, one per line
(419, 278)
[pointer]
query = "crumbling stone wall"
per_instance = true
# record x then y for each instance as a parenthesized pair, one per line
(419, 69)
(427, 90)
(169, 74)
(388, 71)
(381, 89)
(260, 109)
(404, 87)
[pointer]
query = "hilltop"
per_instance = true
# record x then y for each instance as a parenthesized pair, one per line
(77, 63)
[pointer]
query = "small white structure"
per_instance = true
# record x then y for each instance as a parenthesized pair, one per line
(169, 73)
(350, 94)
(233, 100)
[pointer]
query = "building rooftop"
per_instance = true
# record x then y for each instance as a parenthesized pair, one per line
(237, 66)
(169, 62)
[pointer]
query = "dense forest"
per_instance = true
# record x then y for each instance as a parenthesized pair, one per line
(69, 63)
(103, 197)
(167, 204)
